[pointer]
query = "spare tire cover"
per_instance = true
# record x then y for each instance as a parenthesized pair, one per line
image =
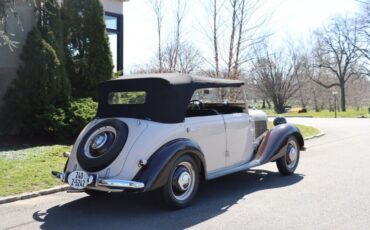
(101, 145)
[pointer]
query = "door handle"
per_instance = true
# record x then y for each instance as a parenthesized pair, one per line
(188, 130)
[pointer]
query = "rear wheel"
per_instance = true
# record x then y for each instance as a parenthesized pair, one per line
(182, 183)
(289, 162)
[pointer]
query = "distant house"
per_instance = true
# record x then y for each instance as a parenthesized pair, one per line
(9, 60)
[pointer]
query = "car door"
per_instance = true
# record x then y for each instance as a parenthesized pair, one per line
(209, 133)
(239, 138)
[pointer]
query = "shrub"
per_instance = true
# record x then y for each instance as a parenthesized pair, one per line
(54, 120)
(66, 124)
(79, 113)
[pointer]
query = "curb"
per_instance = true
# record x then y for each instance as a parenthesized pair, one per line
(28, 195)
(322, 133)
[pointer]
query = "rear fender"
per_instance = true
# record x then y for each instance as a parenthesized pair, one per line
(274, 142)
(155, 173)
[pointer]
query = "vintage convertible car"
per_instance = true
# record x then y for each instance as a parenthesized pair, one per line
(169, 131)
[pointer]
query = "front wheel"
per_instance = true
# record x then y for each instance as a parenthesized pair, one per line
(289, 162)
(182, 183)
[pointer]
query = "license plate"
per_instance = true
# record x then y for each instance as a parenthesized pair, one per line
(79, 179)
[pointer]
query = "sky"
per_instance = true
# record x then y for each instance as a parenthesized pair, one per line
(289, 20)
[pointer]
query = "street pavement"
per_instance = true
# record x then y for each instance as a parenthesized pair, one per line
(330, 190)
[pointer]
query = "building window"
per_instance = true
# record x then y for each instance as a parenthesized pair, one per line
(111, 22)
(114, 26)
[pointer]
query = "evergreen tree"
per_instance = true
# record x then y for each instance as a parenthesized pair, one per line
(36, 87)
(89, 60)
(42, 81)
(51, 28)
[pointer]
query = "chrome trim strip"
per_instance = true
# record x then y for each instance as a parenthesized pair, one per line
(116, 183)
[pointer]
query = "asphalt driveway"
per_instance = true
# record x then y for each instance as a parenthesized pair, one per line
(331, 190)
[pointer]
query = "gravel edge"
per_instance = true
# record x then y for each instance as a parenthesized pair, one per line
(28, 195)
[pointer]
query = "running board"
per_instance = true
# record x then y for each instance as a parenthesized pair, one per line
(233, 169)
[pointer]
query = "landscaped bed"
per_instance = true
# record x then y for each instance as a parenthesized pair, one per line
(27, 169)
(307, 131)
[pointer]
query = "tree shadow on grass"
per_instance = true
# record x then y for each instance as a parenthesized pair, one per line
(13, 143)
(146, 211)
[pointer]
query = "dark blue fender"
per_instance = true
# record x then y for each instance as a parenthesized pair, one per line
(155, 173)
(273, 144)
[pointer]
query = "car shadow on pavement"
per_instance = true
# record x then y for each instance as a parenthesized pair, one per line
(146, 211)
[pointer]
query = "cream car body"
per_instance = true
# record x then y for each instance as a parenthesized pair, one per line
(208, 139)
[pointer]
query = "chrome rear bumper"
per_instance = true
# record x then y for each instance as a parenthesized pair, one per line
(109, 183)
(115, 183)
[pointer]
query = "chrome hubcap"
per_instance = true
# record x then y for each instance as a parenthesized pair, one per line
(292, 154)
(99, 141)
(184, 180)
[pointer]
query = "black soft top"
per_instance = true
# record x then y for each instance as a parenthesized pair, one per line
(167, 95)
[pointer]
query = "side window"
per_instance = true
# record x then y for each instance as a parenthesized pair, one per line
(206, 95)
(214, 101)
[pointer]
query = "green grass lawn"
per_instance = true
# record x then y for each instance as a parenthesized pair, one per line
(307, 131)
(29, 169)
(325, 113)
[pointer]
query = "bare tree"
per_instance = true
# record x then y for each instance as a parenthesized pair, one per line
(212, 32)
(364, 46)
(7, 9)
(176, 55)
(336, 51)
(241, 22)
(180, 15)
(276, 75)
(157, 6)
(308, 92)
(174, 44)
(239, 28)
(189, 59)
(215, 36)
(234, 12)
(358, 93)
